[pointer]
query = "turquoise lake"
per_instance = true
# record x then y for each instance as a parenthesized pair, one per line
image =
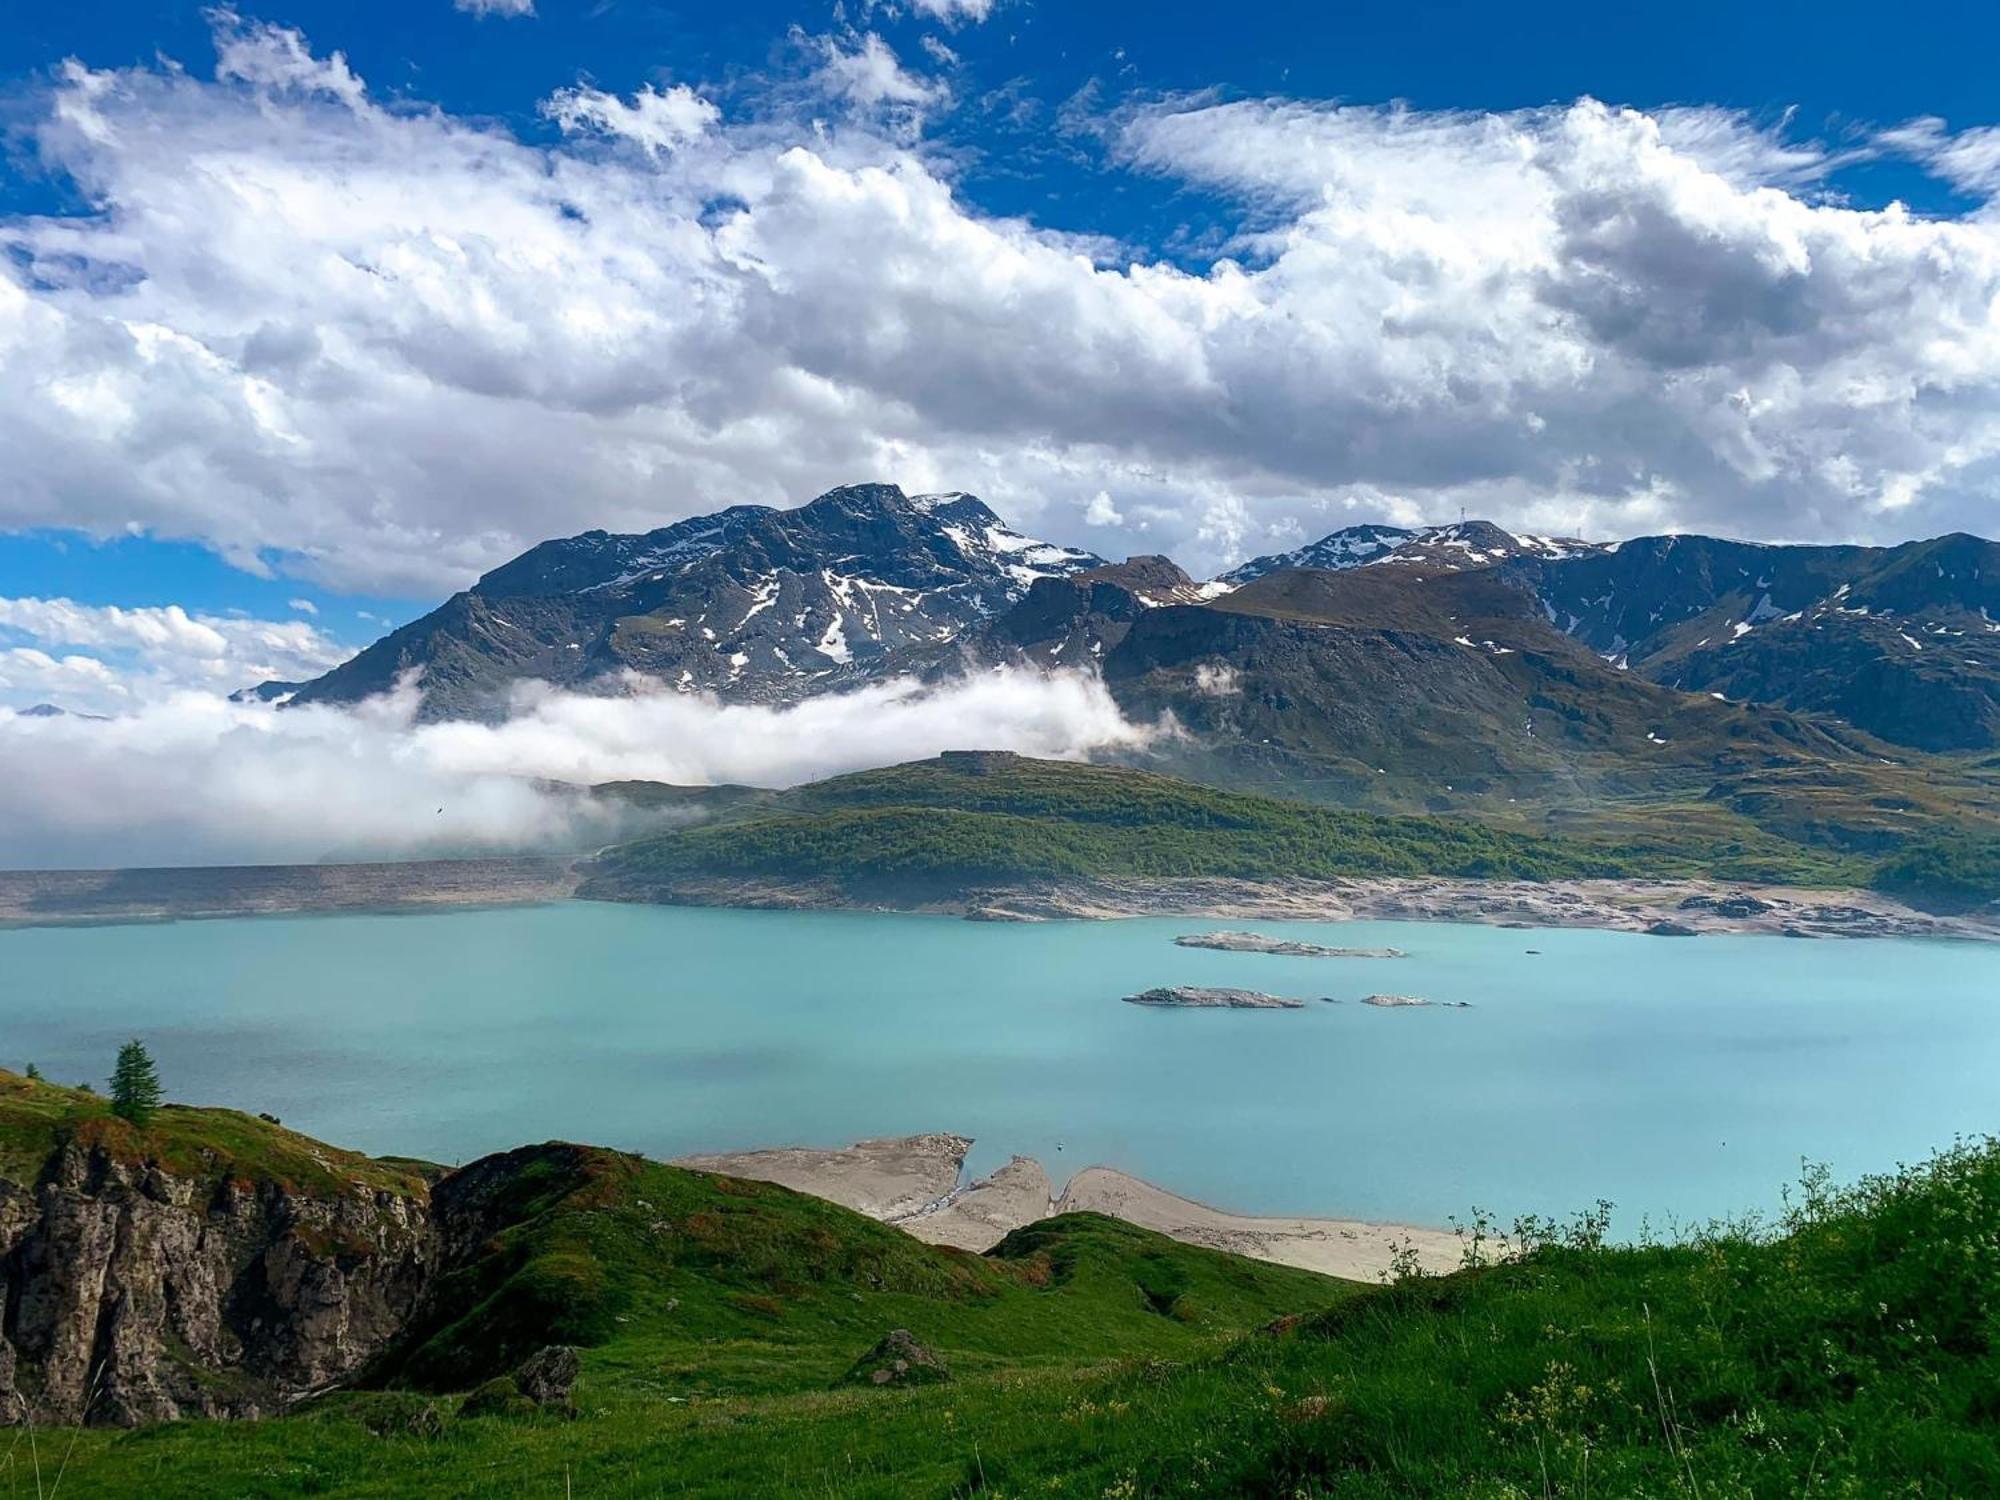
(1679, 1078)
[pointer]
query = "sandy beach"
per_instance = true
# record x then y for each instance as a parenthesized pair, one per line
(915, 1183)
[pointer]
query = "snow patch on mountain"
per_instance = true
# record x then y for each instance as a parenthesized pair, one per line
(1462, 545)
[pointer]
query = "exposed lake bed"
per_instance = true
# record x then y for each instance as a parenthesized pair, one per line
(1681, 1080)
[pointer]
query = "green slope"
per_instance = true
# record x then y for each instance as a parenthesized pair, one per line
(1849, 1350)
(962, 821)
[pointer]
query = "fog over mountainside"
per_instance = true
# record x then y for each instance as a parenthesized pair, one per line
(200, 780)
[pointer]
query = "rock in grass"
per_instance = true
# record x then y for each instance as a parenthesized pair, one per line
(543, 1382)
(898, 1360)
(548, 1377)
(1197, 997)
(499, 1397)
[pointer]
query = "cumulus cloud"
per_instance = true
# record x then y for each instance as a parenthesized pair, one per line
(33, 676)
(149, 652)
(195, 779)
(392, 347)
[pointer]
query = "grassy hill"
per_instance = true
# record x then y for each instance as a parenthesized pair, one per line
(969, 820)
(1848, 1350)
(704, 1306)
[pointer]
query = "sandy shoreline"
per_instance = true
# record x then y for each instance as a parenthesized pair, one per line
(1669, 907)
(67, 898)
(917, 1184)
(31, 898)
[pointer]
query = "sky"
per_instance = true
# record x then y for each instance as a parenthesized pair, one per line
(312, 312)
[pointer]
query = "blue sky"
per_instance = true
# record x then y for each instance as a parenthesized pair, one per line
(342, 303)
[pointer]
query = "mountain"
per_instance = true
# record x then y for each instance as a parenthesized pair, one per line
(751, 604)
(53, 711)
(1468, 544)
(1903, 642)
(1568, 669)
(1405, 689)
(1068, 621)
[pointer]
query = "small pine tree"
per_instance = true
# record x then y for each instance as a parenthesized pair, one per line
(34, 1073)
(135, 1084)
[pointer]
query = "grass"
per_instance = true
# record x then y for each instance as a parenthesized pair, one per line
(1848, 1349)
(961, 822)
(705, 1305)
(206, 1145)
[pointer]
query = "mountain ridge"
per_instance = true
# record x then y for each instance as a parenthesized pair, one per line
(1458, 661)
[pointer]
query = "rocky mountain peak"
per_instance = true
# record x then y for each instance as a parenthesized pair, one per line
(750, 603)
(1464, 544)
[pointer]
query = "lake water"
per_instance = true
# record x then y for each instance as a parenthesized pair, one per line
(1679, 1078)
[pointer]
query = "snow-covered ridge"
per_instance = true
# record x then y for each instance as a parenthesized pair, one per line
(1464, 544)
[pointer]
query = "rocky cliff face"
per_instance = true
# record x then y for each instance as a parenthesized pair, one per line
(134, 1292)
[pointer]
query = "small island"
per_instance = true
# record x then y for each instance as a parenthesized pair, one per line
(1256, 942)
(1198, 997)
(1406, 1002)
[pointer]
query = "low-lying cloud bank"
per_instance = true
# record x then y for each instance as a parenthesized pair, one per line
(196, 779)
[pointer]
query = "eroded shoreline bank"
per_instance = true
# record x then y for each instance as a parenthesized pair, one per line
(40, 898)
(1666, 907)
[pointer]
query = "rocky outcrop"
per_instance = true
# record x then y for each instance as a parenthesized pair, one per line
(1257, 942)
(135, 1293)
(898, 1360)
(1202, 997)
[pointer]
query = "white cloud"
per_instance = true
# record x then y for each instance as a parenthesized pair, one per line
(1969, 160)
(954, 12)
(1101, 512)
(484, 8)
(396, 346)
(196, 779)
(32, 676)
(148, 652)
(303, 606)
(869, 75)
(655, 121)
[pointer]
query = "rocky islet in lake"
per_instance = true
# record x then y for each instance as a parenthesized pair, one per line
(1257, 942)
(1204, 997)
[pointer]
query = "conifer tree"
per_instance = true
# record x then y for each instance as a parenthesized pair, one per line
(135, 1084)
